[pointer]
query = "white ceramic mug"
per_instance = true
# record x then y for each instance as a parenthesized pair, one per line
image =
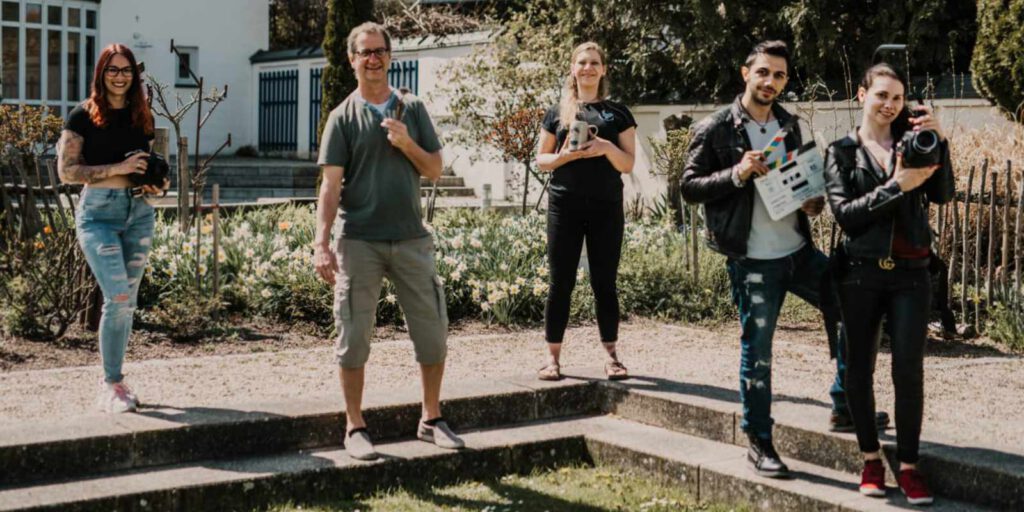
(579, 133)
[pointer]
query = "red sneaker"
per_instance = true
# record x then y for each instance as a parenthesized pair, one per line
(872, 479)
(913, 486)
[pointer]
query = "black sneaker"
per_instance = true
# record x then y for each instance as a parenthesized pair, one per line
(842, 422)
(764, 459)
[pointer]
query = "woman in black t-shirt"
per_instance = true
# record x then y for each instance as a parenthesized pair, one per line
(585, 201)
(113, 221)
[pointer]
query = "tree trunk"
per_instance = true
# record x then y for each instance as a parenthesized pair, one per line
(526, 184)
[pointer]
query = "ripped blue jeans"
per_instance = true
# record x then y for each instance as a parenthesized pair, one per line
(115, 231)
(759, 288)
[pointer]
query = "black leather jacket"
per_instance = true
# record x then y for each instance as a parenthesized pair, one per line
(717, 144)
(866, 201)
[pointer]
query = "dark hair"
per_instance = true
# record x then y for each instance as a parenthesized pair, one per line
(902, 122)
(97, 105)
(773, 48)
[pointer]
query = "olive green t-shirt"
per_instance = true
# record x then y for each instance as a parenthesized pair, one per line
(380, 196)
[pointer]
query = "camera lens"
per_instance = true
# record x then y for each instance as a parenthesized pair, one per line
(925, 142)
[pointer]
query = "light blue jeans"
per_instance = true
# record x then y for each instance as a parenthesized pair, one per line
(115, 231)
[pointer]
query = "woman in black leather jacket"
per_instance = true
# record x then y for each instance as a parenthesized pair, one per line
(882, 207)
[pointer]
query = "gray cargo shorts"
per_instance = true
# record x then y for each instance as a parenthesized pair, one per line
(409, 264)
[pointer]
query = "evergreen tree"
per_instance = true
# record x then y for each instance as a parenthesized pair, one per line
(998, 63)
(338, 79)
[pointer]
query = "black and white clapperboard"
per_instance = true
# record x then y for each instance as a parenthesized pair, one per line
(798, 176)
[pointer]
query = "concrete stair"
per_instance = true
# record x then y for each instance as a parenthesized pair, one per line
(250, 179)
(249, 456)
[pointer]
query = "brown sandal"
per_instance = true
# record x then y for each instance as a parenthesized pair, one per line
(550, 371)
(615, 371)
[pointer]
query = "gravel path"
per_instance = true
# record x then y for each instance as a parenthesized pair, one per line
(974, 393)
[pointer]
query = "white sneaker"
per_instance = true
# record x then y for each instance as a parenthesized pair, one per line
(439, 434)
(116, 398)
(358, 445)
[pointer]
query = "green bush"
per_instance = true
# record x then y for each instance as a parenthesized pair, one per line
(494, 268)
(44, 283)
(998, 62)
(1006, 325)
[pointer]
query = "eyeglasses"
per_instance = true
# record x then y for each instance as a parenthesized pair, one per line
(379, 52)
(113, 71)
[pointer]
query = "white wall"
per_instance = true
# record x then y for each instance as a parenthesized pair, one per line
(227, 33)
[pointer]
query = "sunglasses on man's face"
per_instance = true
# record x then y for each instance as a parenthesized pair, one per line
(379, 52)
(113, 71)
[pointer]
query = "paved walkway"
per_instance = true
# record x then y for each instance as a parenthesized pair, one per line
(972, 400)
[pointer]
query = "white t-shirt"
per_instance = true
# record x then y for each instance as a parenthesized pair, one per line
(770, 239)
(380, 107)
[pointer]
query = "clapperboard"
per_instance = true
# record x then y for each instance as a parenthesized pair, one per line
(796, 177)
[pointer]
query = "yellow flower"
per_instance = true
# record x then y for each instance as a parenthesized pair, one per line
(47, 230)
(284, 225)
(206, 229)
(40, 245)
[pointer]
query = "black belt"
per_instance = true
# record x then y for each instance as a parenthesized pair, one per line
(891, 263)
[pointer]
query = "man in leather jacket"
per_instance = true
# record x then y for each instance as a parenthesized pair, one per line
(766, 258)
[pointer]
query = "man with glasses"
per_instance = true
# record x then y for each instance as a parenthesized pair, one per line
(375, 147)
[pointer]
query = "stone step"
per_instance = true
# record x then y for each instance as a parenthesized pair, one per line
(986, 476)
(249, 483)
(448, 191)
(715, 472)
(83, 448)
(157, 436)
(444, 181)
(252, 193)
(719, 472)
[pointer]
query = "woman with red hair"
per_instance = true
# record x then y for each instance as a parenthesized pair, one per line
(105, 141)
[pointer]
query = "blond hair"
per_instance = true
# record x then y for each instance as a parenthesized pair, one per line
(570, 104)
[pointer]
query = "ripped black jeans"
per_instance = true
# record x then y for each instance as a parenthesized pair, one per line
(867, 293)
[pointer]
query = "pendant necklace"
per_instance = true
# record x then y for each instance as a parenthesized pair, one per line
(758, 123)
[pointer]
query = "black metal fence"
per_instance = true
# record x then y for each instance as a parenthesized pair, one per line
(279, 110)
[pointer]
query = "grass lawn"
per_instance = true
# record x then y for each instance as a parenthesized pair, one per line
(569, 489)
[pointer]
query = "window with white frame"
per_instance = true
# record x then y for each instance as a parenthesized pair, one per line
(47, 51)
(189, 59)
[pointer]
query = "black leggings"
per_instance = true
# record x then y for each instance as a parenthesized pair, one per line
(571, 219)
(866, 294)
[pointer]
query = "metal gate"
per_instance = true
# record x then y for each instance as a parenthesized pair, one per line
(279, 110)
(316, 94)
(406, 74)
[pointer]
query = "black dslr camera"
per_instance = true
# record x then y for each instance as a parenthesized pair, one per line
(157, 171)
(920, 148)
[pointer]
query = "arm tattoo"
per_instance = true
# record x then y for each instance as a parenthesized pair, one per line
(70, 165)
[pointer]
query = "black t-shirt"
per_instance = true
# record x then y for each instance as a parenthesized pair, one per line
(591, 177)
(107, 145)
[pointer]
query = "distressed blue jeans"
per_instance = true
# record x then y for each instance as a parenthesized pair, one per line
(115, 231)
(759, 288)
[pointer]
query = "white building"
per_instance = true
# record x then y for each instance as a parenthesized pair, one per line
(49, 48)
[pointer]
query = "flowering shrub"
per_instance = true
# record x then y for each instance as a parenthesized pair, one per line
(494, 268)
